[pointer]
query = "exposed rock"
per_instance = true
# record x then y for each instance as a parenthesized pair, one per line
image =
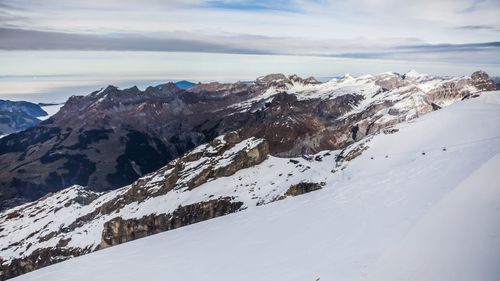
(302, 188)
(390, 131)
(118, 230)
(37, 259)
(452, 91)
(482, 81)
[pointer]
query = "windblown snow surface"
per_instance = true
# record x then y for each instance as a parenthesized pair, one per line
(419, 204)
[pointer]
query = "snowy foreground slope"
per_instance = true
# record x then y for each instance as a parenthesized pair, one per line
(421, 203)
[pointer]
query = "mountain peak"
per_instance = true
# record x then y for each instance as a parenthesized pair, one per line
(168, 87)
(347, 76)
(184, 84)
(413, 74)
(269, 78)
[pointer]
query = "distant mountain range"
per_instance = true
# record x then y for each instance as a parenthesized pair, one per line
(111, 137)
(16, 116)
(184, 85)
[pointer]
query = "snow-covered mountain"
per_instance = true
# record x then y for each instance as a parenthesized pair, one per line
(112, 137)
(415, 201)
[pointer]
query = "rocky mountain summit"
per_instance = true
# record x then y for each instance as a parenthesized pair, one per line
(111, 137)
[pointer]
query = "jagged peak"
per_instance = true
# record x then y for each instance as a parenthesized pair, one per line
(308, 80)
(269, 78)
(167, 86)
(110, 88)
(132, 89)
(106, 89)
(480, 74)
(346, 77)
(413, 74)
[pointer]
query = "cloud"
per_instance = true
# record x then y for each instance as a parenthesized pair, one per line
(479, 27)
(470, 53)
(256, 5)
(470, 47)
(360, 48)
(355, 29)
(18, 39)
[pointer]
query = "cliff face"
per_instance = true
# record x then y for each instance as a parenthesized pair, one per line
(118, 230)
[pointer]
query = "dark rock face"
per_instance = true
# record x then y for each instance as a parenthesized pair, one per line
(294, 127)
(39, 258)
(118, 230)
(143, 154)
(482, 81)
(107, 139)
(302, 188)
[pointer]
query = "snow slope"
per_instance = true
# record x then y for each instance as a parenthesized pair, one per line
(461, 229)
(422, 203)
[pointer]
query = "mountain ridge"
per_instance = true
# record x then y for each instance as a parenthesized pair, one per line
(111, 137)
(391, 177)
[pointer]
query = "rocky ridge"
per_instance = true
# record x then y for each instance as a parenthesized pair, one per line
(76, 220)
(112, 137)
(218, 178)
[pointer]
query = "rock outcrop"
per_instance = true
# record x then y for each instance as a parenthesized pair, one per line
(118, 230)
(302, 188)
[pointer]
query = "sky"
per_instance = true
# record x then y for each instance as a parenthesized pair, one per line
(54, 48)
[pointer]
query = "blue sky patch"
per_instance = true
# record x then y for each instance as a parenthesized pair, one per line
(254, 6)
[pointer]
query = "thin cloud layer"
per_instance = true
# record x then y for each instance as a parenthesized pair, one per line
(462, 31)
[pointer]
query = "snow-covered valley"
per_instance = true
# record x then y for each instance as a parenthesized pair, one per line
(421, 202)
